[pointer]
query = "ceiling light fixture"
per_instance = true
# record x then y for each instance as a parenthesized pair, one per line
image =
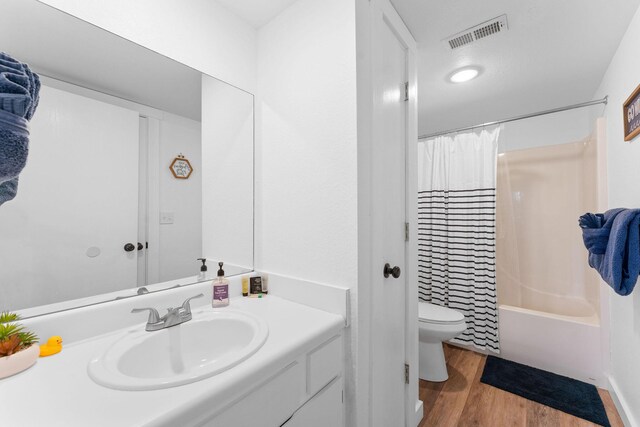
(464, 75)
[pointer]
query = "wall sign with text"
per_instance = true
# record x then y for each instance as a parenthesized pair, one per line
(181, 168)
(631, 115)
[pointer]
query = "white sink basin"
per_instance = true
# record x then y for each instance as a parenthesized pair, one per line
(210, 343)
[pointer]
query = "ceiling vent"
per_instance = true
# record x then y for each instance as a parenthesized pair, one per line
(470, 35)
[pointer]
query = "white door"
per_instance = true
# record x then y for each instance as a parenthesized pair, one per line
(388, 222)
(77, 204)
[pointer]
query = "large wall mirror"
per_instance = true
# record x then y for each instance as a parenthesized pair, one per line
(99, 215)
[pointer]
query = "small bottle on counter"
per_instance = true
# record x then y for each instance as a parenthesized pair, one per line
(245, 286)
(265, 283)
(255, 285)
(220, 289)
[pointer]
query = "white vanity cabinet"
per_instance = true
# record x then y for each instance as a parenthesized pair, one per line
(307, 392)
(295, 379)
(325, 409)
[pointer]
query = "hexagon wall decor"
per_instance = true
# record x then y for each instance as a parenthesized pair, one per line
(181, 168)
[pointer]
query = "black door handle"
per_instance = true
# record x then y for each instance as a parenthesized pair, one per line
(140, 246)
(129, 247)
(388, 270)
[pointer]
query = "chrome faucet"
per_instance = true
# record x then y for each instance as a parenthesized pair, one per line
(174, 316)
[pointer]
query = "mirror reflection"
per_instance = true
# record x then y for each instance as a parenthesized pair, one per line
(137, 166)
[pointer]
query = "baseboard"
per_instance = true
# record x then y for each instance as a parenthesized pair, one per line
(419, 412)
(621, 404)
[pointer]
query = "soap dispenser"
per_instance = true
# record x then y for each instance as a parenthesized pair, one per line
(220, 289)
(203, 269)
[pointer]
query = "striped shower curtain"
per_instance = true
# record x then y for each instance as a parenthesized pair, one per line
(456, 226)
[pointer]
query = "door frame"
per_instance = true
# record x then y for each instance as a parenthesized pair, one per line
(143, 202)
(152, 251)
(369, 13)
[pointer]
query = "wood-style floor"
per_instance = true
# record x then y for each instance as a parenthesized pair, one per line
(463, 400)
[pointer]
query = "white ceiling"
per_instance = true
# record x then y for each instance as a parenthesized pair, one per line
(554, 54)
(256, 12)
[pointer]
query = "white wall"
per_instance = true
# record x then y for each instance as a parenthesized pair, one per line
(202, 34)
(307, 165)
(306, 154)
(180, 243)
(552, 129)
(619, 82)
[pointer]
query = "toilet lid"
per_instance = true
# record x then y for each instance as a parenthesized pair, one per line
(432, 313)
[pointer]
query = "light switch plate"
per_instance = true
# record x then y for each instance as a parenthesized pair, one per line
(166, 217)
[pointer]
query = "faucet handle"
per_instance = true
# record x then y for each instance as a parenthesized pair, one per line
(154, 317)
(186, 307)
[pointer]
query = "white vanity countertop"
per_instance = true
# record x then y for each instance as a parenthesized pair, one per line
(57, 391)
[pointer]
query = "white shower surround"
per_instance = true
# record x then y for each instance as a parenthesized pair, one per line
(549, 315)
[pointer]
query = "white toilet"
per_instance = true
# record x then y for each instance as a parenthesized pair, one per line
(436, 324)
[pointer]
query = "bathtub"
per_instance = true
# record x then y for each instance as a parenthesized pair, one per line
(568, 345)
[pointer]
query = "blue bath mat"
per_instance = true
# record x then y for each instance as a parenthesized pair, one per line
(562, 393)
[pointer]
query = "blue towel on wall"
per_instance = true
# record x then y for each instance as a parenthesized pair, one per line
(14, 149)
(19, 96)
(19, 87)
(8, 190)
(596, 229)
(613, 241)
(14, 145)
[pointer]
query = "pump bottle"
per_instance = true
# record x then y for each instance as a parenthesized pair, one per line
(220, 289)
(203, 270)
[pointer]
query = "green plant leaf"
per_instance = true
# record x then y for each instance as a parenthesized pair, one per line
(6, 317)
(27, 338)
(9, 330)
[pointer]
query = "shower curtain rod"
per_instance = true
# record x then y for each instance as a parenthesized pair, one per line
(513, 119)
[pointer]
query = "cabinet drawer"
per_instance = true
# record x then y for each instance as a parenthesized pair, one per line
(324, 364)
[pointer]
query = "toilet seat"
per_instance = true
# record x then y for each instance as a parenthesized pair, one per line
(438, 315)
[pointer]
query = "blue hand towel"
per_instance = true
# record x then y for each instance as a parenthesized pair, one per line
(19, 96)
(619, 231)
(19, 87)
(596, 229)
(8, 190)
(14, 145)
